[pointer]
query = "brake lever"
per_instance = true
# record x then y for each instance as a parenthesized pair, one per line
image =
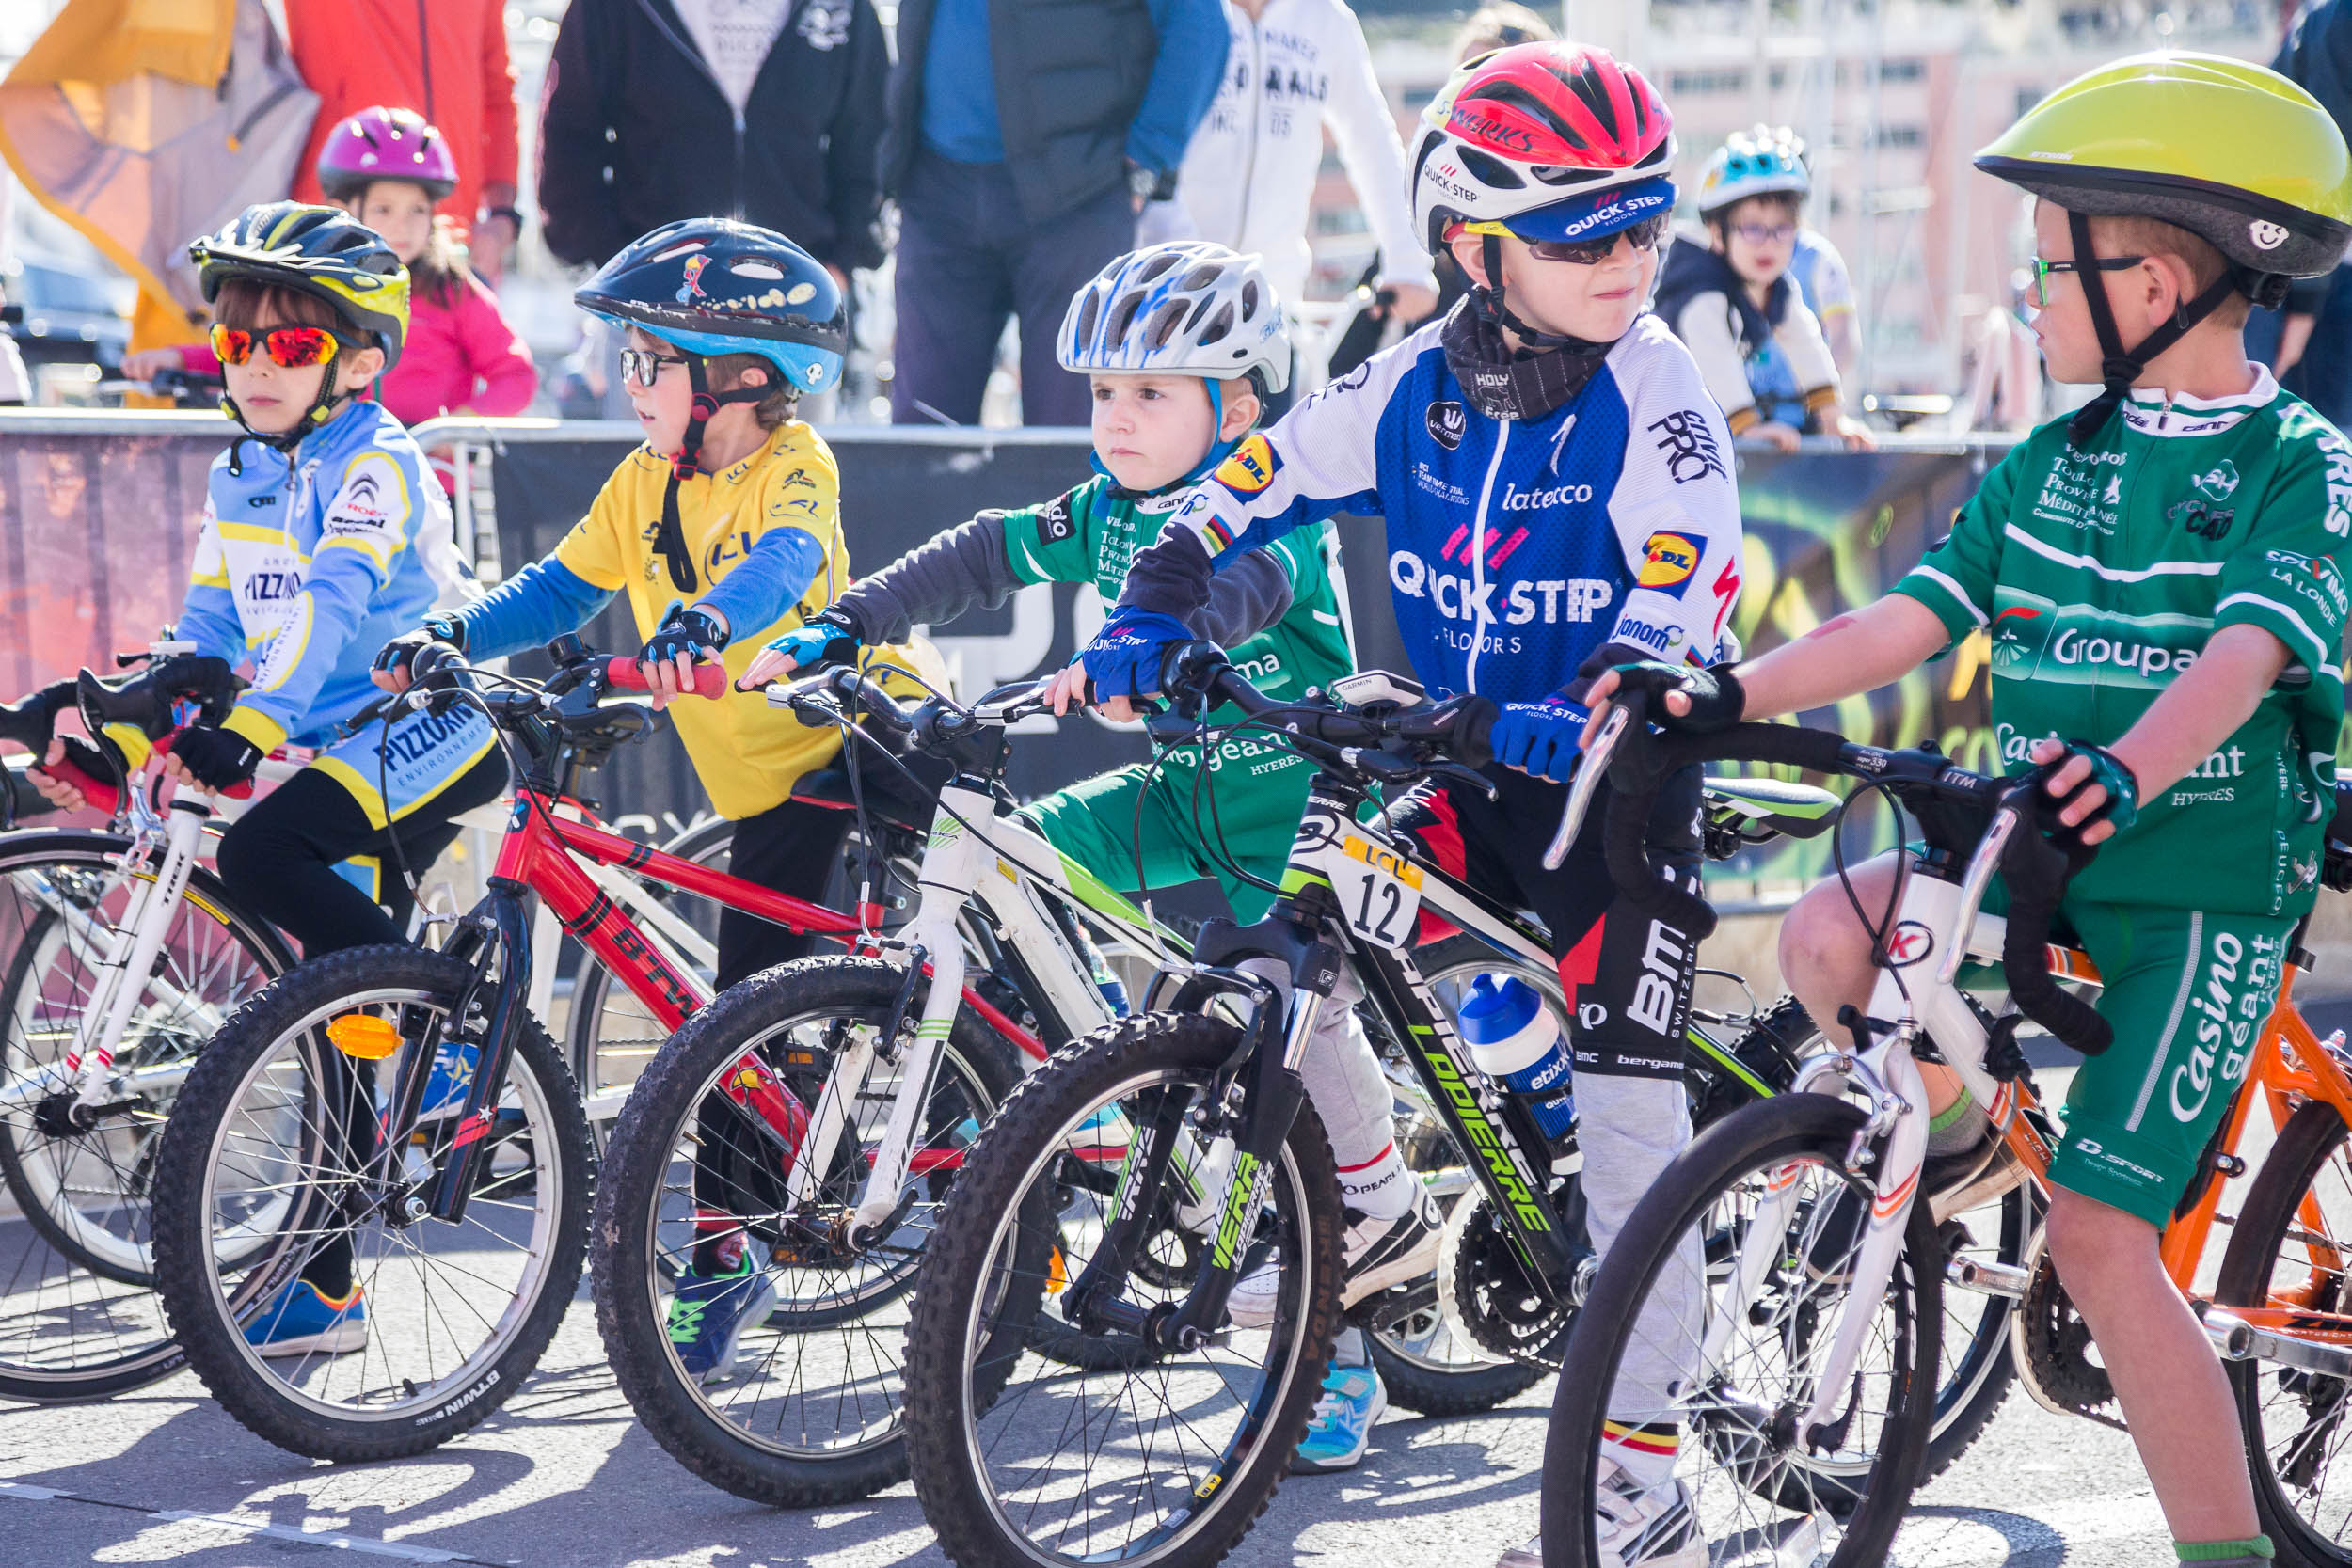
(1470, 776)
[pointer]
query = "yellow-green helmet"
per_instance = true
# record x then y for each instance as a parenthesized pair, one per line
(2231, 151)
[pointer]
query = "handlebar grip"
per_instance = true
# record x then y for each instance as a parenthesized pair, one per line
(99, 793)
(1624, 845)
(32, 721)
(627, 675)
(234, 792)
(2036, 872)
(1818, 751)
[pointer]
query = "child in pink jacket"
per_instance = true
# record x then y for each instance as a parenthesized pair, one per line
(389, 167)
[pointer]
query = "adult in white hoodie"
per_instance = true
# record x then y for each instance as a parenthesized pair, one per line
(1249, 171)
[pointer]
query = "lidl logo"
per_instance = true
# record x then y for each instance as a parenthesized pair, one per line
(1668, 561)
(1251, 468)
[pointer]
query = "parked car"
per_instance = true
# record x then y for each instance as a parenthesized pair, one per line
(67, 318)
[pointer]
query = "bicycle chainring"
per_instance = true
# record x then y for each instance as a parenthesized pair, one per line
(1485, 1288)
(2053, 1345)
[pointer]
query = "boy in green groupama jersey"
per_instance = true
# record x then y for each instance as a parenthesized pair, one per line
(1183, 342)
(2160, 576)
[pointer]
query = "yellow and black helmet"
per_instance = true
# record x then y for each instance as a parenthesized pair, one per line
(320, 251)
(2231, 151)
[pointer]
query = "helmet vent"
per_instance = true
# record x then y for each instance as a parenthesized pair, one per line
(1512, 95)
(1249, 300)
(1221, 327)
(1492, 171)
(747, 266)
(1123, 316)
(677, 250)
(1158, 266)
(1090, 312)
(1199, 278)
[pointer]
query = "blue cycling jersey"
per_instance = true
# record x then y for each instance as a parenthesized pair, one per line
(1516, 547)
(306, 567)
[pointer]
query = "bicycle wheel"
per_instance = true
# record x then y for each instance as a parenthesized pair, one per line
(277, 1152)
(809, 1410)
(1166, 1458)
(78, 1317)
(2293, 1241)
(1668, 1338)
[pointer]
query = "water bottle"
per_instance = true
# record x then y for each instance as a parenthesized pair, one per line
(1515, 1041)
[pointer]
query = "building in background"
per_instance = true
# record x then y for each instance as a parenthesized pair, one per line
(1892, 98)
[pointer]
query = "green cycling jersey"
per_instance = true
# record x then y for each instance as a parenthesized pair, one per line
(2097, 574)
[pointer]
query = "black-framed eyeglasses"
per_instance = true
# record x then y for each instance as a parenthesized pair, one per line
(2041, 271)
(642, 367)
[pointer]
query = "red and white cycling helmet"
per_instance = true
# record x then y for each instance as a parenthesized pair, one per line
(1536, 138)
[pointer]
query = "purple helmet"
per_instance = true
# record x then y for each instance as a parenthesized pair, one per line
(386, 144)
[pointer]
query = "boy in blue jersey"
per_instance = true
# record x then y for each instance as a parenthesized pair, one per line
(1556, 485)
(323, 532)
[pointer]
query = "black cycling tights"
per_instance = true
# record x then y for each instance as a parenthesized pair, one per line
(279, 860)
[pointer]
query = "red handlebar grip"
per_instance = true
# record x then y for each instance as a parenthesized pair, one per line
(97, 792)
(234, 792)
(627, 675)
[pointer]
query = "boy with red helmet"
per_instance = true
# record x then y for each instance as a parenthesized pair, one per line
(1557, 489)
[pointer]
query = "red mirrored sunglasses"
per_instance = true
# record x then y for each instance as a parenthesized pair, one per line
(291, 348)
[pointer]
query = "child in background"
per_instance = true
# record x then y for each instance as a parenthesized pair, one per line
(1735, 307)
(387, 167)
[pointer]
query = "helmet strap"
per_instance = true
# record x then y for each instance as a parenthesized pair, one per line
(668, 540)
(2119, 367)
(1488, 298)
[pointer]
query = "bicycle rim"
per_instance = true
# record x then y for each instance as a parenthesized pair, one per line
(78, 1317)
(821, 1376)
(1114, 1464)
(444, 1302)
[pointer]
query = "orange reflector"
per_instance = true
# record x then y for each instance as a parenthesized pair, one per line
(1054, 1275)
(365, 1035)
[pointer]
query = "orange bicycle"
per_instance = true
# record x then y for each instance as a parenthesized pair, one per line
(1802, 1380)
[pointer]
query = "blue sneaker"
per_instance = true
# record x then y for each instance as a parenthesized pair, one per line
(1341, 1430)
(299, 1321)
(709, 1313)
(447, 1085)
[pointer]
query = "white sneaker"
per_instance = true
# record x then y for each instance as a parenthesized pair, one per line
(1635, 1527)
(1379, 1252)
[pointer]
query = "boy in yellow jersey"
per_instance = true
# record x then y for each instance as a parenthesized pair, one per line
(723, 531)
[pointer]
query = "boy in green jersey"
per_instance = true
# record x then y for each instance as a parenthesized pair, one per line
(1183, 342)
(2161, 580)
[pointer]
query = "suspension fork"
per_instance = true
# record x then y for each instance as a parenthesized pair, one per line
(131, 952)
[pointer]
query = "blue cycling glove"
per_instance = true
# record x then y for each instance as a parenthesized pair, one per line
(828, 637)
(1539, 738)
(1125, 657)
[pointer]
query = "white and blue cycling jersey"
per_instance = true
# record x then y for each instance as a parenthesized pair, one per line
(1515, 548)
(305, 567)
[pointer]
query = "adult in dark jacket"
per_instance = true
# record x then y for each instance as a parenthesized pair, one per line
(2314, 333)
(1024, 138)
(641, 123)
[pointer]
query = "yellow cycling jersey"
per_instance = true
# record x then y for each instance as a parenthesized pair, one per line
(747, 754)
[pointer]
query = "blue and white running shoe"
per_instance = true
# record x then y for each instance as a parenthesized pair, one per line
(709, 1314)
(1341, 1430)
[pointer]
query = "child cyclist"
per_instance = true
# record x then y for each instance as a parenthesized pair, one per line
(1183, 342)
(322, 535)
(2191, 518)
(387, 167)
(1555, 481)
(724, 528)
(1735, 302)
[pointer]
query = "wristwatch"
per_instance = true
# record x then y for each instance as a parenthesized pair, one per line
(1144, 184)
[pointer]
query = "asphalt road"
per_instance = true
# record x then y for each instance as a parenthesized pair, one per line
(563, 1478)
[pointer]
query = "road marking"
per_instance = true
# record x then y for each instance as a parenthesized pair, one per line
(250, 1528)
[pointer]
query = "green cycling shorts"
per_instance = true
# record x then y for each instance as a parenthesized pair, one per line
(2188, 992)
(1260, 794)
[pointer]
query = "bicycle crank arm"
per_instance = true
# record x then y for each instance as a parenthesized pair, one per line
(2239, 1340)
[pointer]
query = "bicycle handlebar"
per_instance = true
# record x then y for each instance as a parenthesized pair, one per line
(1638, 763)
(1453, 731)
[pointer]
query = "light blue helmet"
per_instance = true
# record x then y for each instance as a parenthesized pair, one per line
(1187, 307)
(1767, 161)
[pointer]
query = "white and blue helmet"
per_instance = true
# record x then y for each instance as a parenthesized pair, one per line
(1187, 307)
(1767, 161)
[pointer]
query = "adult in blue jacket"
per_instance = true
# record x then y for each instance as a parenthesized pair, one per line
(1023, 137)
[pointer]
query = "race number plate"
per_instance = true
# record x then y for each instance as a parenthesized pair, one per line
(1379, 890)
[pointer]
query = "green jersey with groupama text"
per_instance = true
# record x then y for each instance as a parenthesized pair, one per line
(2098, 574)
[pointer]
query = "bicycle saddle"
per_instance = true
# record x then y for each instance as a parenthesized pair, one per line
(1798, 810)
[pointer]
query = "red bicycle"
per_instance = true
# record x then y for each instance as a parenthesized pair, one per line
(408, 1102)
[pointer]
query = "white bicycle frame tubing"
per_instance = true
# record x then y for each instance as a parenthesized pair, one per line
(1920, 999)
